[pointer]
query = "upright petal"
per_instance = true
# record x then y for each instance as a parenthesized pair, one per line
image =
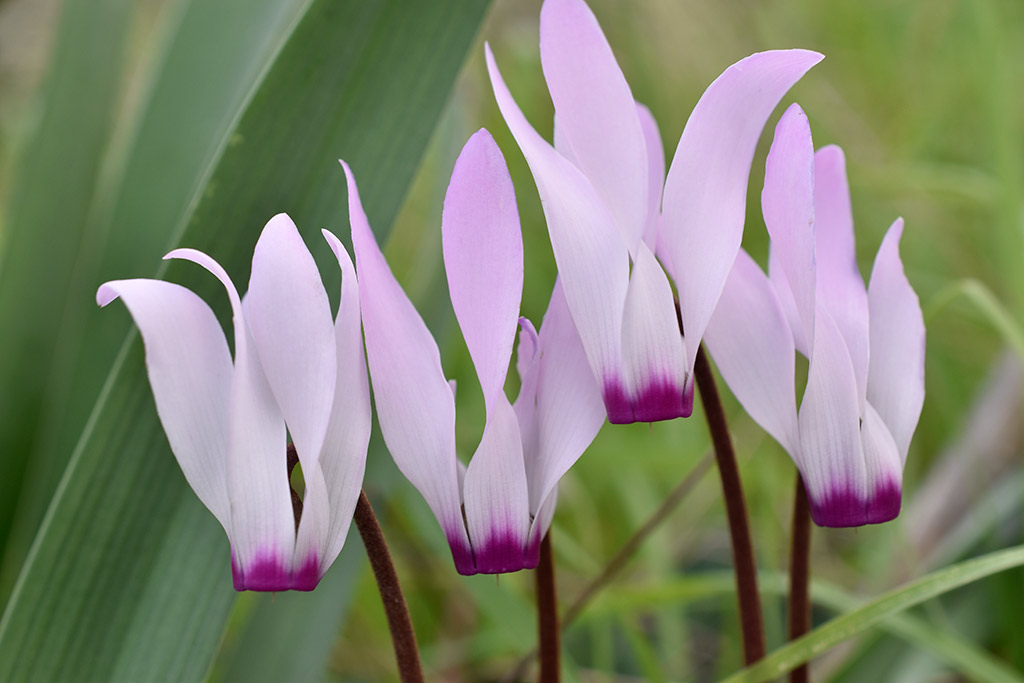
(289, 316)
(653, 356)
(884, 469)
(655, 174)
(569, 412)
(750, 340)
(189, 367)
(483, 258)
(706, 190)
(832, 458)
(415, 405)
(592, 258)
(840, 285)
(777, 276)
(495, 494)
(596, 111)
(896, 373)
(262, 521)
(788, 205)
(343, 458)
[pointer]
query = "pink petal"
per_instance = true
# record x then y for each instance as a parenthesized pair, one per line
(596, 111)
(832, 459)
(290, 320)
(568, 407)
(483, 258)
(840, 286)
(415, 406)
(785, 295)
(750, 341)
(495, 494)
(884, 469)
(262, 521)
(592, 259)
(289, 316)
(706, 190)
(653, 356)
(788, 205)
(343, 458)
(655, 174)
(896, 373)
(189, 367)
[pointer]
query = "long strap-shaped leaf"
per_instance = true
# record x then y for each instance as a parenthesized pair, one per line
(51, 195)
(856, 621)
(215, 55)
(129, 576)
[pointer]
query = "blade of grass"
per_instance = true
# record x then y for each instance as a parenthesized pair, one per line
(957, 652)
(864, 617)
(986, 303)
(51, 194)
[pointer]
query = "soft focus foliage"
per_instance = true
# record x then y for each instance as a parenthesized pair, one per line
(924, 98)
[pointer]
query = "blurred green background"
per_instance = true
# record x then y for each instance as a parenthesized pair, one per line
(128, 127)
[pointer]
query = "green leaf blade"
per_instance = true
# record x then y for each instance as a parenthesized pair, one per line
(118, 512)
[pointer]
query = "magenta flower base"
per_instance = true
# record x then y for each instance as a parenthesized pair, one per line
(845, 508)
(660, 400)
(269, 574)
(503, 554)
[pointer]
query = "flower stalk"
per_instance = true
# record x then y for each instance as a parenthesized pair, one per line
(751, 617)
(800, 574)
(548, 633)
(403, 638)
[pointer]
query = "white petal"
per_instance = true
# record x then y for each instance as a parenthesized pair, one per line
(884, 469)
(189, 367)
(840, 286)
(596, 111)
(781, 284)
(262, 521)
(569, 411)
(705, 194)
(655, 174)
(593, 261)
(653, 356)
(832, 459)
(415, 406)
(750, 341)
(483, 258)
(788, 205)
(343, 458)
(289, 316)
(896, 373)
(497, 503)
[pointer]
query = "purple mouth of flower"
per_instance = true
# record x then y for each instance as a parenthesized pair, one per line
(503, 553)
(268, 573)
(844, 507)
(660, 399)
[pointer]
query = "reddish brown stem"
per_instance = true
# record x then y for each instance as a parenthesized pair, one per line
(547, 615)
(800, 574)
(751, 618)
(402, 636)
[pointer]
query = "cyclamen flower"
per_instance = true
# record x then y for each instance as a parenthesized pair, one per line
(601, 187)
(294, 369)
(495, 511)
(865, 385)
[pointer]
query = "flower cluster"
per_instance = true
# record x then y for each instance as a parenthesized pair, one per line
(649, 264)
